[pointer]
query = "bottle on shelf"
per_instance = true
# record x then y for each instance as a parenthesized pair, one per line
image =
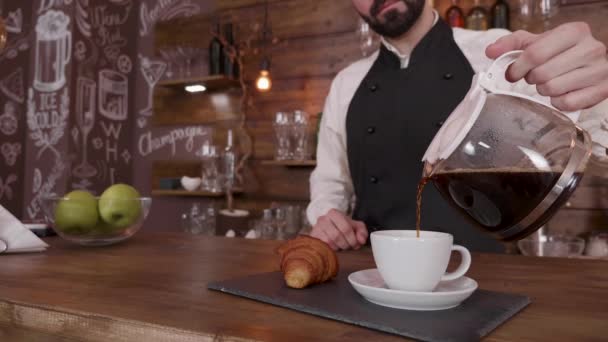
(454, 15)
(478, 18)
(227, 61)
(230, 161)
(216, 54)
(500, 14)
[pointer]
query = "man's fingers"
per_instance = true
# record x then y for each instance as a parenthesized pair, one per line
(574, 80)
(544, 48)
(361, 232)
(583, 98)
(515, 41)
(569, 60)
(337, 237)
(319, 233)
(332, 232)
(343, 224)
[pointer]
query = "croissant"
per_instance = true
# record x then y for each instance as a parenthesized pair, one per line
(306, 261)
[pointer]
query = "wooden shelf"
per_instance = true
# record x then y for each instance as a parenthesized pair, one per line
(215, 82)
(291, 163)
(186, 193)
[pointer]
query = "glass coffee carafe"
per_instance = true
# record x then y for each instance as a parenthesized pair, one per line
(505, 160)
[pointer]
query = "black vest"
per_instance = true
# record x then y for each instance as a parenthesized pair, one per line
(391, 120)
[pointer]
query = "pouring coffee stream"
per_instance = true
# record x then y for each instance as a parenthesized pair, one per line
(505, 160)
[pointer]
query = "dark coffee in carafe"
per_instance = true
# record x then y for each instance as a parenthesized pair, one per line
(498, 199)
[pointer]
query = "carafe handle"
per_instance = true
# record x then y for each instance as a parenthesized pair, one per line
(497, 70)
(496, 73)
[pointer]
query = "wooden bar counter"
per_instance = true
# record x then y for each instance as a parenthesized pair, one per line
(153, 288)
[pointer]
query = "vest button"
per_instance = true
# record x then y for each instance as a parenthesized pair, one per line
(448, 76)
(371, 130)
(373, 179)
(373, 88)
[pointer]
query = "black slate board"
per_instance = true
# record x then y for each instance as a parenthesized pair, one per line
(473, 319)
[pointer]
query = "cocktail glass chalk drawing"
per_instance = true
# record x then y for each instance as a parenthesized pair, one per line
(85, 117)
(113, 94)
(53, 51)
(152, 72)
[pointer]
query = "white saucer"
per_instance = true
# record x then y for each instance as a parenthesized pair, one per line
(448, 294)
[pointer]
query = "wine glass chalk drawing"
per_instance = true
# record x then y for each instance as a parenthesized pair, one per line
(85, 118)
(152, 72)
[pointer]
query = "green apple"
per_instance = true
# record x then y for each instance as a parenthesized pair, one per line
(76, 213)
(119, 206)
(104, 228)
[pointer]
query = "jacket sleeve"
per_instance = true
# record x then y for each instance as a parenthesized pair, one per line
(330, 183)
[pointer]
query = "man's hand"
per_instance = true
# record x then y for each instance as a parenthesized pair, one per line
(566, 64)
(340, 231)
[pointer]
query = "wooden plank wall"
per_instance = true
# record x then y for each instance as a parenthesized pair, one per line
(316, 39)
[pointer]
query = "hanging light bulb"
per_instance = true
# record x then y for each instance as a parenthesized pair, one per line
(264, 82)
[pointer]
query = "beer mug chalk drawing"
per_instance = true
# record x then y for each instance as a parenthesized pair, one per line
(53, 50)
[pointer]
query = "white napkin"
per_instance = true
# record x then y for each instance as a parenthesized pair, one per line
(15, 238)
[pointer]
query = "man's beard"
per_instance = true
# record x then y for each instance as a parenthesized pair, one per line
(395, 23)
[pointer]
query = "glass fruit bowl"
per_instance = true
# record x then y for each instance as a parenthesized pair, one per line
(91, 222)
(552, 245)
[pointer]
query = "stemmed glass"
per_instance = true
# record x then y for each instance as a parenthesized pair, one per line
(188, 53)
(282, 128)
(170, 55)
(85, 118)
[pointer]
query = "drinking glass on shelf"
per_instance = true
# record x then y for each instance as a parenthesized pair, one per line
(210, 221)
(171, 56)
(292, 220)
(266, 225)
(368, 39)
(196, 219)
(300, 136)
(188, 53)
(305, 226)
(282, 128)
(280, 222)
(211, 177)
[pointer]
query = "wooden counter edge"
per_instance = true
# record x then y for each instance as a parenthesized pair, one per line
(84, 326)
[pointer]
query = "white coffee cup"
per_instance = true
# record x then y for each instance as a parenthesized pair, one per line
(409, 263)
